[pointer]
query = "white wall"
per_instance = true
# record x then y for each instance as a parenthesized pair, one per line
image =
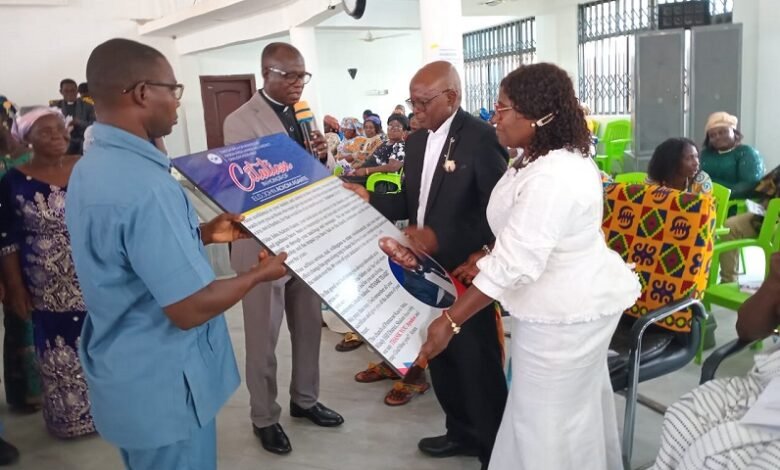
(382, 64)
(46, 44)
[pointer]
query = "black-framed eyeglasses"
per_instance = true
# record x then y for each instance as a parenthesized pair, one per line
(292, 77)
(423, 104)
(176, 88)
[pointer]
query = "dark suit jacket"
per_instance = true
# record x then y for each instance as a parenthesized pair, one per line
(457, 201)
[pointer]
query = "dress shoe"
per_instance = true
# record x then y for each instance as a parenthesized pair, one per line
(8, 453)
(318, 414)
(443, 446)
(273, 439)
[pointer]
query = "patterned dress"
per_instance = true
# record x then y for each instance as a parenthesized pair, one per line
(32, 221)
(20, 373)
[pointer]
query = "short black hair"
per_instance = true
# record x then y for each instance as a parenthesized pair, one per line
(117, 64)
(83, 88)
(539, 90)
(666, 158)
(368, 111)
(400, 118)
(67, 81)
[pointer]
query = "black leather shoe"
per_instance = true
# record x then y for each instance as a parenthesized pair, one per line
(273, 439)
(443, 446)
(318, 414)
(8, 453)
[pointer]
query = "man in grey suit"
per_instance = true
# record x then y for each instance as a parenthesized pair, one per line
(270, 111)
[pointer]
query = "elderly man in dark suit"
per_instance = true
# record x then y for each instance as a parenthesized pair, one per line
(451, 166)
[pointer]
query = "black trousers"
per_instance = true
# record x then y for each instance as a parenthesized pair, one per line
(469, 382)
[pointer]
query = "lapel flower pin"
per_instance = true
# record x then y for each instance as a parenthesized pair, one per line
(449, 165)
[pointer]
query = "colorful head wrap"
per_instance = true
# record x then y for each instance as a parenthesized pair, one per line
(375, 119)
(23, 124)
(351, 123)
(7, 112)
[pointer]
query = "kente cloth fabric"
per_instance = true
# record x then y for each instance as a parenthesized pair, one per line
(32, 217)
(668, 235)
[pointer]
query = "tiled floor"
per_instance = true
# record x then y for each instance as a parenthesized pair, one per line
(374, 436)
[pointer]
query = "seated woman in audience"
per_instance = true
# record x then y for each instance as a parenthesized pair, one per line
(704, 428)
(388, 157)
(21, 378)
(374, 136)
(414, 124)
(675, 165)
(349, 150)
(35, 255)
(736, 166)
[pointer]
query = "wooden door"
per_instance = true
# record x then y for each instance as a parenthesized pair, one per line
(221, 95)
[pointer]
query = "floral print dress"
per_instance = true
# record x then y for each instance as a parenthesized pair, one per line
(32, 223)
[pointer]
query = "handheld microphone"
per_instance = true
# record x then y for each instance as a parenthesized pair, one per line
(305, 119)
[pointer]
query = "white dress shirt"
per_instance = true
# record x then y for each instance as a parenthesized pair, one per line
(550, 263)
(433, 148)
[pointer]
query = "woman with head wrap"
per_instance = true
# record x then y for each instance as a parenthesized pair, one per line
(349, 150)
(374, 135)
(388, 157)
(727, 160)
(22, 381)
(35, 255)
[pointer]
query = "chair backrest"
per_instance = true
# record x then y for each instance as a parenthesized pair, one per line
(338, 170)
(721, 195)
(617, 129)
(769, 235)
(616, 148)
(668, 235)
(636, 177)
(393, 179)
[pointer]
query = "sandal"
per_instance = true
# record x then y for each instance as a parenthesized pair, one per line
(375, 373)
(402, 392)
(350, 342)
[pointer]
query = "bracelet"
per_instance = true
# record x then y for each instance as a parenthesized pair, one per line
(455, 327)
(486, 249)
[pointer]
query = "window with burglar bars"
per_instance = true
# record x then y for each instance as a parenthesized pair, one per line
(490, 54)
(606, 47)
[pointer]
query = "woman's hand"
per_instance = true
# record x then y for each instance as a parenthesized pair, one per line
(439, 335)
(467, 271)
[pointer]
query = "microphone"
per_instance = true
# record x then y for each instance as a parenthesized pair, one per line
(305, 119)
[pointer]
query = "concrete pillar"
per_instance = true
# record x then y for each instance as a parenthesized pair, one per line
(441, 34)
(304, 38)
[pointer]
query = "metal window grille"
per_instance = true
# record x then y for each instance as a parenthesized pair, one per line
(490, 54)
(606, 48)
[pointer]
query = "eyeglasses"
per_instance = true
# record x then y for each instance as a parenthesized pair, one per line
(291, 77)
(396, 127)
(176, 88)
(499, 108)
(422, 105)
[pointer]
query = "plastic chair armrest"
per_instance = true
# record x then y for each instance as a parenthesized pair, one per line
(722, 231)
(642, 323)
(719, 355)
(721, 247)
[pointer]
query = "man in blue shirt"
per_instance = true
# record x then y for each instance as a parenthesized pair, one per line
(155, 347)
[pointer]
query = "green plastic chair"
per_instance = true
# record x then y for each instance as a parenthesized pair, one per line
(338, 171)
(636, 177)
(617, 136)
(728, 294)
(721, 195)
(390, 178)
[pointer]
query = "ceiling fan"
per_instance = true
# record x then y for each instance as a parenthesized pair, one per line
(493, 3)
(371, 38)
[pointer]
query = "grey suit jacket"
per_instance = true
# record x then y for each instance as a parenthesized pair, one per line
(254, 119)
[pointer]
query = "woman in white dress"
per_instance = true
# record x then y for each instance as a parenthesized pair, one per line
(551, 269)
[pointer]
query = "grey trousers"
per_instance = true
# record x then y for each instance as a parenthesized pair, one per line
(264, 307)
(740, 226)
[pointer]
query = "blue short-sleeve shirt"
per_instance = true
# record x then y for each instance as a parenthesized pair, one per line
(137, 249)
